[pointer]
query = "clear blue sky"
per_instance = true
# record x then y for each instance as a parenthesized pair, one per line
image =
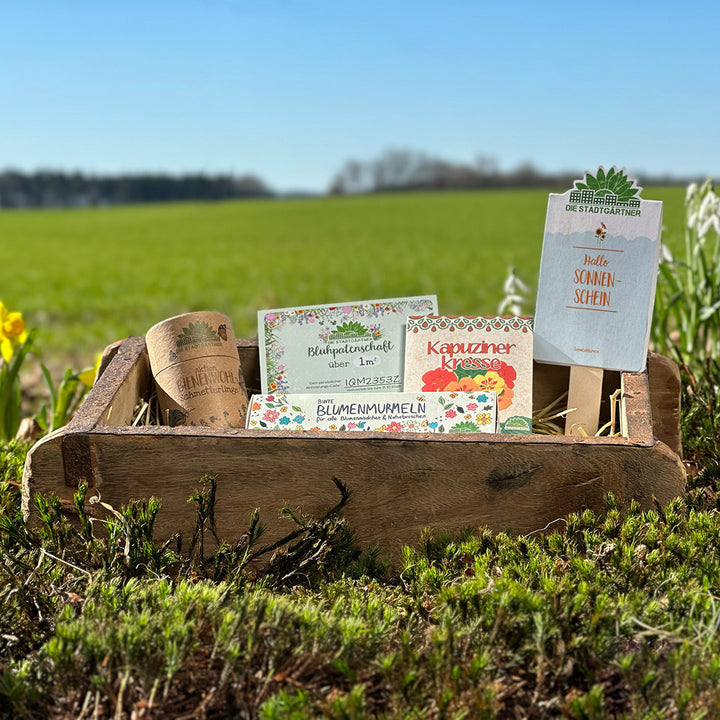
(290, 90)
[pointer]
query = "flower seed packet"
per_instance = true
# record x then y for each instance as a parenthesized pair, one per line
(474, 354)
(447, 412)
(346, 347)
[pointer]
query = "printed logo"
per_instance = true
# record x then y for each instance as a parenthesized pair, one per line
(351, 331)
(196, 335)
(517, 424)
(613, 188)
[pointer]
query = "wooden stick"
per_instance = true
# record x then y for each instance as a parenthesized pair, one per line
(584, 395)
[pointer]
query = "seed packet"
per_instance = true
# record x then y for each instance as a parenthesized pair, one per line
(474, 354)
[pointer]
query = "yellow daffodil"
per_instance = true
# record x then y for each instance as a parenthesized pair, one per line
(88, 375)
(12, 330)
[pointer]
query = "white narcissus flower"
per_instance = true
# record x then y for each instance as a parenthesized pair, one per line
(513, 288)
(509, 285)
(703, 206)
(513, 303)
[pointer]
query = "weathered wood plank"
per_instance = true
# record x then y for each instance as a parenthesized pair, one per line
(664, 391)
(398, 485)
(117, 390)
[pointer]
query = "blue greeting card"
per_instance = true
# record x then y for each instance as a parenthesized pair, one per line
(597, 274)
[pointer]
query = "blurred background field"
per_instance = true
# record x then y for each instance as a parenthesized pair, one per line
(87, 277)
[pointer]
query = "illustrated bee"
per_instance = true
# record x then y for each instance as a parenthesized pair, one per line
(176, 417)
(222, 331)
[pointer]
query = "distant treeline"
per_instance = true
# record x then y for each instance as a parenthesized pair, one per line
(394, 170)
(53, 189)
(398, 170)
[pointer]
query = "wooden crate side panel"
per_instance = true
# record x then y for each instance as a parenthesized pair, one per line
(43, 471)
(664, 382)
(250, 364)
(398, 487)
(116, 392)
(635, 408)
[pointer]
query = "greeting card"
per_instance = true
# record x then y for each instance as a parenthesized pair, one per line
(343, 347)
(474, 354)
(597, 274)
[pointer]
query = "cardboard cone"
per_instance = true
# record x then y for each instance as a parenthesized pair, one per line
(194, 361)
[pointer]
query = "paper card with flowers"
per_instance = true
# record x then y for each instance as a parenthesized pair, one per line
(343, 347)
(474, 354)
(447, 412)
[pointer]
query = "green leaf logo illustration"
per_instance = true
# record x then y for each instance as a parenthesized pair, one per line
(350, 329)
(198, 331)
(195, 334)
(614, 182)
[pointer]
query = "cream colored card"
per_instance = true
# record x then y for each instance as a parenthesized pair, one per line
(343, 347)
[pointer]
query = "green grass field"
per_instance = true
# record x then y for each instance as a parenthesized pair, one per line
(85, 278)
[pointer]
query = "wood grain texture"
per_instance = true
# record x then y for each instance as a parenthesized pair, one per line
(664, 384)
(400, 482)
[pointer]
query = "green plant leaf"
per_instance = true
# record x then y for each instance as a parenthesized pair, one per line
(617, 180)
(467, 372)
(621, 190)
(592, 182)
(50, 384)
(65, 393)
(707, 312)
(351, 327)
(465, 426)
(601, 177)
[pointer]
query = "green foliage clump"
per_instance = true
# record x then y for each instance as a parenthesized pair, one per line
(686, 319)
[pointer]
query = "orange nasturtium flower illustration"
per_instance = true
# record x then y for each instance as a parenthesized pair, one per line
(465, 384)
(500, 381)
(437, 380)
(12, 330)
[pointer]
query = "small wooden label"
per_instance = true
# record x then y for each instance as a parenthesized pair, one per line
(584, 395)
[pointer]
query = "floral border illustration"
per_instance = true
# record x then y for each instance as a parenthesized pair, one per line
(457, 412)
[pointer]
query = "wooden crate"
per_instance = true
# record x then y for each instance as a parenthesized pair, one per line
(400, 482)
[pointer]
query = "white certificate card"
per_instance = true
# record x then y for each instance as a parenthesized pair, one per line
(342, 347)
